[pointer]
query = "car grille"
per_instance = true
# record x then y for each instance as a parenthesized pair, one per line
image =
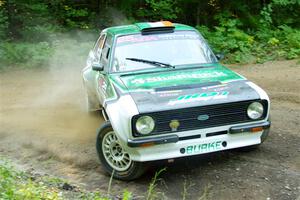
(219, 115)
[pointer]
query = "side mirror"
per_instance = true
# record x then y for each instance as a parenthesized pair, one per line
(220, 56)
(97, 67)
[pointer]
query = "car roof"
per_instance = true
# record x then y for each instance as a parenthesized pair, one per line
(138, 27)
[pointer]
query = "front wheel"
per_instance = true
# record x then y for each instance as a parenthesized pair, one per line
(114, 159)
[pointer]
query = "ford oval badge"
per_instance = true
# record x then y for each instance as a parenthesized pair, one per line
(203, 117)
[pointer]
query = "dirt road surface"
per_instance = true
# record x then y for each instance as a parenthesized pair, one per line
(44, 128)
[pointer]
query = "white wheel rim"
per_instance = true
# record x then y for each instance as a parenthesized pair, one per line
(114, 154)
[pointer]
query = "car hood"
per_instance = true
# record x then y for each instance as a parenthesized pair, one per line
(167, 90)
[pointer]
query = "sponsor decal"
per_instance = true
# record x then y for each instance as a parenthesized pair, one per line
(102, 84)
(135, 39)
(179, 37)
(130, 39)
(202, 148)
(150, 81)
(205, 96)
(178, 77)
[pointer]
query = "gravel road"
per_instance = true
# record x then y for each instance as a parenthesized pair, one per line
(44, 128)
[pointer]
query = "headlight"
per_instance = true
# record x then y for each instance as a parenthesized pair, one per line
(255, 110)
(145, 124)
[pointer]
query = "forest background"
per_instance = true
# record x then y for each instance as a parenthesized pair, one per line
(246, 31)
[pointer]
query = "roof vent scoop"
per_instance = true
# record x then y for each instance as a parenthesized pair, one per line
(156, 27)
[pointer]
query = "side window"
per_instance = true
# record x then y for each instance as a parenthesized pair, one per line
(98, 47)
(106, 51)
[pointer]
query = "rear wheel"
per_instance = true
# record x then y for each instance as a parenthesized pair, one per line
(114, 158)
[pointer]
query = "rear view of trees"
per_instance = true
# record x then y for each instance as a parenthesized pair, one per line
(247, 31)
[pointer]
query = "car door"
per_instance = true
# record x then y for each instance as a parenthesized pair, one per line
(89, 75)
(104, 60)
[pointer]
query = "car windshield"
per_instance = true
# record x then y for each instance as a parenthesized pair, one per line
(178, 48)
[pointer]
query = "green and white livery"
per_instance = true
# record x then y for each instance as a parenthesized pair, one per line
(164, 95)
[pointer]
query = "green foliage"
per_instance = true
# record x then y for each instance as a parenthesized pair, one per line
(286, 12)
(31, 22)
(255, 31)
(21, 186)
(25, 186)
(228, 38)
(71, 17)
(256, 46)
(266, 19)
(27, 54)
(3, 22)
(159, 10)
(127, 195)
(63, 50)
(152, 193)
(15, 185)
(286, 2)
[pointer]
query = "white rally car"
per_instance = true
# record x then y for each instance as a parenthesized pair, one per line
(164, 95)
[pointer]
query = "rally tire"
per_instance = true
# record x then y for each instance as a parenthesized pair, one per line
(131, 172)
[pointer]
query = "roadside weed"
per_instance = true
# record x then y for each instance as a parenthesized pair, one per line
(110, 182)
(127, 195)
(184, 193)
(205, 193)
(152, 194)
(186, 187)
(23, 186)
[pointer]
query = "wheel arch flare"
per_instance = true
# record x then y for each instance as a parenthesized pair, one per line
(120, 112)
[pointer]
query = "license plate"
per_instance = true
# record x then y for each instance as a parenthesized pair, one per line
(203, 148)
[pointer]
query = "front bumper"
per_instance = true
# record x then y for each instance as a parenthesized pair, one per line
(250, 128)
(149, 149)
(144, 142)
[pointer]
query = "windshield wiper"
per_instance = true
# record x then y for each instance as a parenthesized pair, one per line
(151, 62)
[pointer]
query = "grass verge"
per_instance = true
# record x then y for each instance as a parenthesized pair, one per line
(26, 186)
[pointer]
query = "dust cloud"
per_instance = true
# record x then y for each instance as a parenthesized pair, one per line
(43, 110)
